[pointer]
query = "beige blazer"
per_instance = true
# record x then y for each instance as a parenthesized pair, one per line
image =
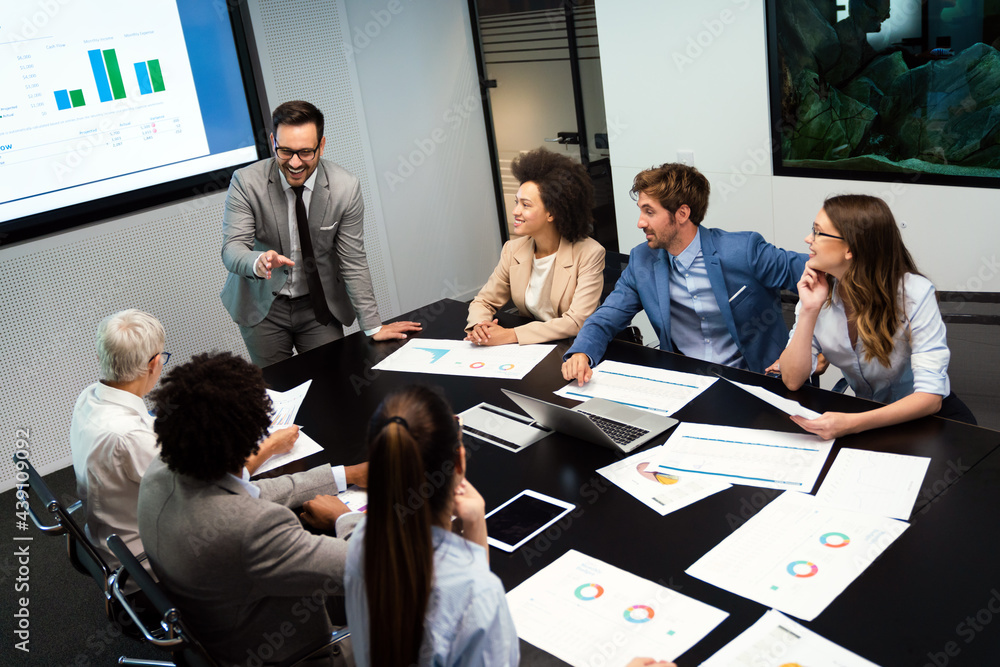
(577, 278)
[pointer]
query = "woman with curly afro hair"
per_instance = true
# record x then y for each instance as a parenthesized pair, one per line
(231, 552)
(553, 271)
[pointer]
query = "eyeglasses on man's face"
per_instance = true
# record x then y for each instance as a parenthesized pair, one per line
(165, 355)
(305, 154)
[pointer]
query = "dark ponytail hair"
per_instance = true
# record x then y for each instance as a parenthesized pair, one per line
(413, 442)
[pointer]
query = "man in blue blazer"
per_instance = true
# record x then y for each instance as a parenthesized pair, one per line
(709, 294)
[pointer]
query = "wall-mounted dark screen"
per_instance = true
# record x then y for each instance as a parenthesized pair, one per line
(886, 90)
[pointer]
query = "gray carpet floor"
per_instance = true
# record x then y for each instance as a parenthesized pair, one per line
(66, 621)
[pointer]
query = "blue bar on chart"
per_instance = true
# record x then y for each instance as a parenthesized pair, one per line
(62, 100)
(100, 75)
(142, 76)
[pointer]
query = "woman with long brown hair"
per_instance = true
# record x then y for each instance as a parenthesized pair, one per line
(863, 304)
(418, 593)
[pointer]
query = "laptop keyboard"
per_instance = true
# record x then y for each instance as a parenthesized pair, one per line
(620, 433)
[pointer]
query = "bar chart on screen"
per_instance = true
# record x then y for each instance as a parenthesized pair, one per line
(92, 91)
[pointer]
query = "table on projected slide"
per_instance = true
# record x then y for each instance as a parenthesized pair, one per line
(912, 602)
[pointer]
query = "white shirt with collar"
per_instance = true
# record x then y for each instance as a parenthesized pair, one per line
(112, 440)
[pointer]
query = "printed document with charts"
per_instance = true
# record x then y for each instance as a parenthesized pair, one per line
(797, 555)
(655, 389)
(579, 608)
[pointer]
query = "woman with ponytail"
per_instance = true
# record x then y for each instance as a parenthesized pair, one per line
(863, 304)
(419, 589)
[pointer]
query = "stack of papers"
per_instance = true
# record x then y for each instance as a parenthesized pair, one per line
(285, 404)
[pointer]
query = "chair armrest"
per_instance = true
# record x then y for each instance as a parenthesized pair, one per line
(38, 487)
(130, 567)
(318, 647)
(118, 580)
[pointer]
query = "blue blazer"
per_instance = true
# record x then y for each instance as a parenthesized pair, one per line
(734, 260)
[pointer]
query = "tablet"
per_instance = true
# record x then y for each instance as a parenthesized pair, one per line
(522, 518)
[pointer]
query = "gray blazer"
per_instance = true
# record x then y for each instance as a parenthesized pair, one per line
(246, 575)
(256, 219)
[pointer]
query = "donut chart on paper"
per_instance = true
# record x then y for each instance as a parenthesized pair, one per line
(506, 367)
(589, 591)
(639, 613)
(834, 540)
(802, 569)
(476, 364)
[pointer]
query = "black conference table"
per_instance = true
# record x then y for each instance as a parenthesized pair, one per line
(926, 601)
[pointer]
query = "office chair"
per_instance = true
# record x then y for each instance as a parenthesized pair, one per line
(82, 554)
(173, 635)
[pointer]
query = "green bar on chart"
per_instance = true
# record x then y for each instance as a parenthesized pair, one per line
(114, 73)
(156, 75)
(76, 97)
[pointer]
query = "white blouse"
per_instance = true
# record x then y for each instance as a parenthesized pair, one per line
(536, 297)
(919, 358)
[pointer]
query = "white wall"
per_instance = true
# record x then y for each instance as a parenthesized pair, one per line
(420, 91)
(693, 76)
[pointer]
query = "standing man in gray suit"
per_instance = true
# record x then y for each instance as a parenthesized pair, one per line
(231, 553)
(293, 242)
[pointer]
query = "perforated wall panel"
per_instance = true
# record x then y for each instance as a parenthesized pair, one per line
(301, 45)
(56, 290)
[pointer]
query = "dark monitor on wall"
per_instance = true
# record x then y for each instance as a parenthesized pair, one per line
(885, 90)
(108, 107)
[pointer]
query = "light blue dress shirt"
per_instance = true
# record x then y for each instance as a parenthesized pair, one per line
(697, 327)
(919, 358)
(467, 620)
(245, 482)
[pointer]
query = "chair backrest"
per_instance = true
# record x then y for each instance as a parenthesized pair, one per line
(171, 635)
(82, 554)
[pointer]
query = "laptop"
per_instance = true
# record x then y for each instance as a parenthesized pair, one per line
(597, 420)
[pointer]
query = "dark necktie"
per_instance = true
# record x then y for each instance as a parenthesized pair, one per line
(311, 270)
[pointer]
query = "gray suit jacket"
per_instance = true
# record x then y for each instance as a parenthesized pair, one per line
(256, 220)
(248, 578)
